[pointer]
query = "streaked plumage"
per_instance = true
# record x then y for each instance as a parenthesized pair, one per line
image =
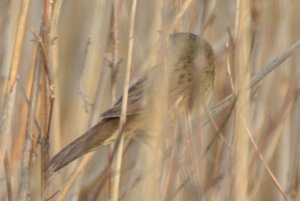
(192, 76)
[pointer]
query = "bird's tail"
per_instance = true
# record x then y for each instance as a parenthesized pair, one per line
(101, 134)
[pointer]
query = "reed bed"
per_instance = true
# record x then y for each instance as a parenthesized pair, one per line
(63, 63)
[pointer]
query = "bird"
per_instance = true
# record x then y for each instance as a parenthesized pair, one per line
(192, 74)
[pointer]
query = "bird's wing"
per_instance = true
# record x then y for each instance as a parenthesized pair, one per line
(134, 104)
(99, 135)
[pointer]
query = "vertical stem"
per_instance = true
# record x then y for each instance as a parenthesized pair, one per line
(18, 45)
(115, 64)
(115, 194)
(28, 146)
(241, 140)
(44, 104)
(8, 178)
(179, 23)
(114, 68)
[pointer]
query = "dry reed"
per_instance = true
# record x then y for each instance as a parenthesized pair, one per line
(55, 82)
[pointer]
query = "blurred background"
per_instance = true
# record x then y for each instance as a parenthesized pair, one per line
(63, 63)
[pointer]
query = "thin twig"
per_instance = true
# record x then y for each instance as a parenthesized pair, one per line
(115, 193)
(209, 15)
(15, 60)
(74, 176)
(282, 114)
(221, 127)
(230, 60)
(44, 54)
(8, 178)
(115, 60)
(269, 171)
(137, 181)
(28, 146)
(179, 14)
(44, 138)
(217, 128)
(178, 8)
(86, 104)
(45, 156)
(106, 173)
(170, 172)
(265, 70)
(114, 71)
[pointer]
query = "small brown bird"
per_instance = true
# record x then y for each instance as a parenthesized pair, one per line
(192, 76)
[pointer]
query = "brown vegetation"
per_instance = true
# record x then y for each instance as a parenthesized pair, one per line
(62, 63)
